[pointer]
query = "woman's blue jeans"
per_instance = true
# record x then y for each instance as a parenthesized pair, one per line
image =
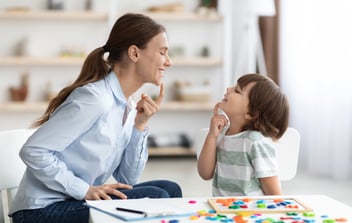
(73, 211)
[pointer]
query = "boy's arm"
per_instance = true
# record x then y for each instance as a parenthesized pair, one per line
(207, 158)
(271, 185)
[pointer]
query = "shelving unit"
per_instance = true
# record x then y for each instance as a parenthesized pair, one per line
(45, 65)
(40, 61)
(77, 61)
(171, 151)
(166, 106)
(184, 17)
(54, 15)
(20, 107)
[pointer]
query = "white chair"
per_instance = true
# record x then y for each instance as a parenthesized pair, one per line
(287, 151)
(287, 154)
(11, 166)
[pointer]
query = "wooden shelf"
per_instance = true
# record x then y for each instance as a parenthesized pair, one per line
(41, 61)
(54, 15)
(196, 61)
(23, 106)
(78, 61)
(166, 106)
(187, 106)
(184, 16)
(171, 151)
(87, 15)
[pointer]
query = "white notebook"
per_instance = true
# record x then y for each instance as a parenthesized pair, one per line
(138, 209)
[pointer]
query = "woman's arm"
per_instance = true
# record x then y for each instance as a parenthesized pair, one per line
(41, 153)
(136, 153)
(134, 158)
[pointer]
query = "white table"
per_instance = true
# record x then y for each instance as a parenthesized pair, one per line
(321, 204)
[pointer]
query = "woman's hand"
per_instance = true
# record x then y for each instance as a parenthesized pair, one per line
(147, 107)
(104, 191)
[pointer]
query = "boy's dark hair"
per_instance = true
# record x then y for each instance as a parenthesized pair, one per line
(268, 106)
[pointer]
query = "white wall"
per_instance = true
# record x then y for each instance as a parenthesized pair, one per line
(316, 53)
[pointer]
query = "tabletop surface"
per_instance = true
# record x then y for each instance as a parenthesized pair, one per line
(324, 209)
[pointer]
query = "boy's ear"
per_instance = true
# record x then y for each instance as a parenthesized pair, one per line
(133, 53)
(248, 116)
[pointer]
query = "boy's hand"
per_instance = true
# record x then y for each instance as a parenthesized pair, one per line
(218, 122)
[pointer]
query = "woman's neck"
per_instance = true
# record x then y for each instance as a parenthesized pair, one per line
(128, 81)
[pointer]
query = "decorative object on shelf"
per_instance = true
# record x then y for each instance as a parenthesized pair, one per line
(172, 7)
(207, 8)
(176, 51)
(72, 51)
(169, 140)
(186, 91)
(205, 51)
(21, 48)
(20, 93)
(55, 4)
(88, 5)
(209, 4)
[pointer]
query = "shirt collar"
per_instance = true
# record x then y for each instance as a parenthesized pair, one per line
(115, 86)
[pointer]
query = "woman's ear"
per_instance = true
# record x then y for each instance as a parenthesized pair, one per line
(133, 53)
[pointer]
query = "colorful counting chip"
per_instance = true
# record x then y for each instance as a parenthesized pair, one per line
(267, 205)
(261, 205)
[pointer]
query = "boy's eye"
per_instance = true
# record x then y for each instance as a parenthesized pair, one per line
(236, 90)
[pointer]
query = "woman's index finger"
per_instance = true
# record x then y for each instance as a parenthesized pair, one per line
(161, 94)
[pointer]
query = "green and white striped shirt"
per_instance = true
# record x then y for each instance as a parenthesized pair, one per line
(242, 159)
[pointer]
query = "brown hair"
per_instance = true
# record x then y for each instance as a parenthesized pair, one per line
(129, 29)
(268, 106)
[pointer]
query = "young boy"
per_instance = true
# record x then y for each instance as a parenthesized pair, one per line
(238, 152)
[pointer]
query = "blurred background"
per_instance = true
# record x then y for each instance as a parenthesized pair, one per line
(305, 46)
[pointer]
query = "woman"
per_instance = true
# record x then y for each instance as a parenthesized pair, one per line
(93, 129)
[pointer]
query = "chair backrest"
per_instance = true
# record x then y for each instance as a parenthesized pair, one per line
(287, 151)
(11, 166)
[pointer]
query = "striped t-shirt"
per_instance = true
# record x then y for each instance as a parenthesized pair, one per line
(242, 159)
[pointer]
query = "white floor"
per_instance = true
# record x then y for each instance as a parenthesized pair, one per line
(184, 172)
